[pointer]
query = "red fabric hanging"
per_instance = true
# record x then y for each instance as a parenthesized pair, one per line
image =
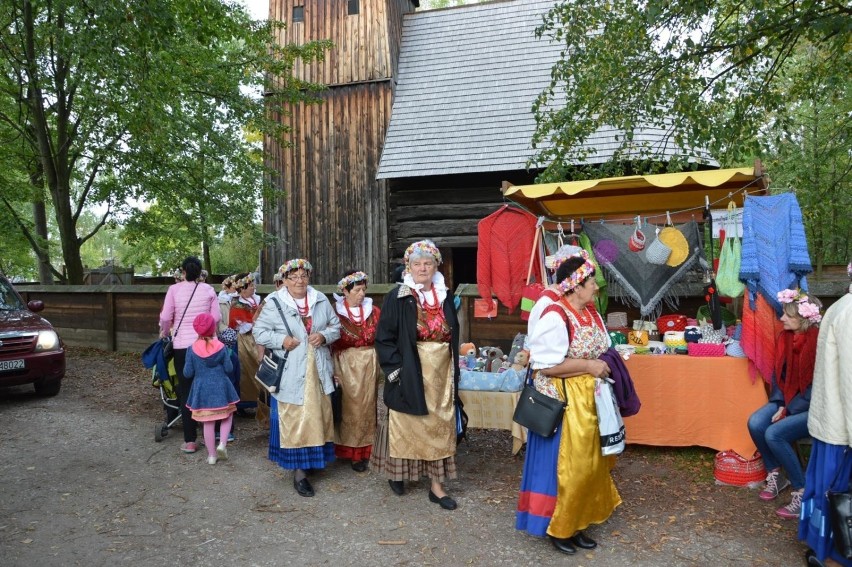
(503, 258)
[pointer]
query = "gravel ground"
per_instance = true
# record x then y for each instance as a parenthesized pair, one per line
(84, 483)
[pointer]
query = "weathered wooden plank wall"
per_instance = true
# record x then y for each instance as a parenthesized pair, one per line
(333, 211)
(125, 318)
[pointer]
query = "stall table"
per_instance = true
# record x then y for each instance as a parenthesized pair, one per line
(687, 401)
(494, 410)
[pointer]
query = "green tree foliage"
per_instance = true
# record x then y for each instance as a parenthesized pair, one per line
(237, 250)
(708, 74)
(103, 94)
(811, 156)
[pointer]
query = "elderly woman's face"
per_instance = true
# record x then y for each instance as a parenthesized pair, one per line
(423, 269)
(248, 291)
(296, 283)
(356, 295)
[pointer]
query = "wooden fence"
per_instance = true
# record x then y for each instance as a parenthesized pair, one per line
(125, 317)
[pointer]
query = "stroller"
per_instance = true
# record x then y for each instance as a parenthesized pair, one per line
(168, 394)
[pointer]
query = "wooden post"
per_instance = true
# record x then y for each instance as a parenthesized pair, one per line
(109, 299)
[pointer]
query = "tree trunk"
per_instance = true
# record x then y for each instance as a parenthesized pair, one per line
(45, 273)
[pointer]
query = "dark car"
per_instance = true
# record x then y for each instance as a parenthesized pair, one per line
(30, 350)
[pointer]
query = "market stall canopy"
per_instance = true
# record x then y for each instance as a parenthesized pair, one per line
(636, 194)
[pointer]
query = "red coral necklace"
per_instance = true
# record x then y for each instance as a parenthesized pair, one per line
(584, 319)
(360, 320)
(433, 309)
(303, 311)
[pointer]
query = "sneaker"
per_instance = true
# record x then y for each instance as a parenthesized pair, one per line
(189, 447)
(774, 486)
(791, 510)
(211, 460)
(231, 437)
(222, 452)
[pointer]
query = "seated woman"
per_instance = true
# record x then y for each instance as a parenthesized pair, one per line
(775, 426)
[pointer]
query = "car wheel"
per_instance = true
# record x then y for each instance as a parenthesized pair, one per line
(48, 388)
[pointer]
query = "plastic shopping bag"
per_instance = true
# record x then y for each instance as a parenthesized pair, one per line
(609, 419)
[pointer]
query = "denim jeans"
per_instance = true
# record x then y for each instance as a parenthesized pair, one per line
(774, 441)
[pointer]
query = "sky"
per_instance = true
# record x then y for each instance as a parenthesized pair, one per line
(259, 9)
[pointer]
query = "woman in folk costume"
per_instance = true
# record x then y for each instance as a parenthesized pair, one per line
(417, 343)
(300, 321)
(830, 426)
(241, 316)
(356, 369)
(566, 484)
(778, 424)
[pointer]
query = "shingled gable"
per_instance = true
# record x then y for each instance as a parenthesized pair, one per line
(467, 80)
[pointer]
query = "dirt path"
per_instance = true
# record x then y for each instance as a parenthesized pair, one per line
(84, 483)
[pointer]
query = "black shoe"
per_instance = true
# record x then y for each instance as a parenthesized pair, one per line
(582, 540)
(563, 545)
(359, 466)
(811, 559)
(445, 502)
(397, 486)
(303, 487)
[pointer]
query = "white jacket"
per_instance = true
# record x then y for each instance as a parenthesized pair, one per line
(830, 414)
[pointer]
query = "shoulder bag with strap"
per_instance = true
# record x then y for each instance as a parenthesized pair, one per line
(168, 347)
(271, 365)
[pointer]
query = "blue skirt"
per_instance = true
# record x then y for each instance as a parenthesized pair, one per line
(826, 463)
(301, 458)
(537, 498)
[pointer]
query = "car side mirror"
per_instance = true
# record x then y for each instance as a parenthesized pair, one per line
(35, 305)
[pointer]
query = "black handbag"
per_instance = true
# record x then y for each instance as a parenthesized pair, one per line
(337, 404)
(539, 413)
(271, 366)
(840, 515)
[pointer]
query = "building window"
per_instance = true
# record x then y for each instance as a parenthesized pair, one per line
(353, 7)
(298, 13)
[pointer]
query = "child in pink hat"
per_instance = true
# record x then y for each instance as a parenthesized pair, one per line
(212, 397)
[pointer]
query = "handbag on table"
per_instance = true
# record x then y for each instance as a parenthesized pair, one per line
(537, 412)
(271, 366)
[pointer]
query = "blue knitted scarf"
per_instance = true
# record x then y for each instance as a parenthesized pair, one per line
(775, 250)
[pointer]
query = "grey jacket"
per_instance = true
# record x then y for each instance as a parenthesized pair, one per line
(269, 331)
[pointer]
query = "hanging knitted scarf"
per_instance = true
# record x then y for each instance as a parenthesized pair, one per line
(794, 362)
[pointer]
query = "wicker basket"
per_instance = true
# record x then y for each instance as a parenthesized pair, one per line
(734, 469)
(705, 349)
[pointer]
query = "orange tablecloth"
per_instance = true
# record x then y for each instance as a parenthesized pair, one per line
(494, 410)
(694, 401)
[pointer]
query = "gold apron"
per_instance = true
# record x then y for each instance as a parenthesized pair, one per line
(249, 361)
(310, 424)
(358, 372)
(428, 437)
(586, 493)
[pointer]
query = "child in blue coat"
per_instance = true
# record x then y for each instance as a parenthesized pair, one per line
(212, 397)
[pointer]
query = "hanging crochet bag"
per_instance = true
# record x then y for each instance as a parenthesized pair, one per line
(728, 276)
(657, 253)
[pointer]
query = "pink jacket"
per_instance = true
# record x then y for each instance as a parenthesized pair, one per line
(204, 301)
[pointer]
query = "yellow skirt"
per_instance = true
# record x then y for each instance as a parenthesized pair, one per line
(359, 372)
(310, 424)
(429, 437)
(585, 492)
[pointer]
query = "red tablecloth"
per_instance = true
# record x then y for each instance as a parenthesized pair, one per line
(694, 401)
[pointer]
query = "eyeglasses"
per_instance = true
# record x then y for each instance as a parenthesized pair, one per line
(298, 278)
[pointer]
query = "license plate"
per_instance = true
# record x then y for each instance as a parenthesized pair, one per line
(7, 365)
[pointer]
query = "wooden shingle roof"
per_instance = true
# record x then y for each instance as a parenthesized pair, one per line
(468, 77)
